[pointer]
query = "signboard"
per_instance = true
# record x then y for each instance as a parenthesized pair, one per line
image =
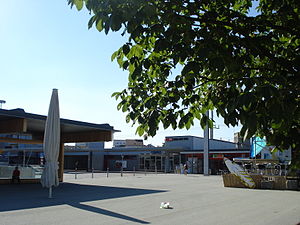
(218, 156)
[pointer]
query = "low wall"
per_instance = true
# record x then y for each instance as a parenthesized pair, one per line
(25, 172)
(23, 181)
(261, 181)
(231, 180)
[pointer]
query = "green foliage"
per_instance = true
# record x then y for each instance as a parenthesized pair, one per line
(246, 67)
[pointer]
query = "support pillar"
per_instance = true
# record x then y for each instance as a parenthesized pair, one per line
(206, 149)
(167, 163)
(211, 133)
(61, 163)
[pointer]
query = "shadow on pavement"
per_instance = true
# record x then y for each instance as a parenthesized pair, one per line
(28, 196)
(108, 213)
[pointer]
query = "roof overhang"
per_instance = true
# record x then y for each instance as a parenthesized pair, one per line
(17, 121)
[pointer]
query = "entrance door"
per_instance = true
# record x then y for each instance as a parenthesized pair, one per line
(193, 165)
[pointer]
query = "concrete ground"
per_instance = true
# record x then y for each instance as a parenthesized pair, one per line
(195, 199)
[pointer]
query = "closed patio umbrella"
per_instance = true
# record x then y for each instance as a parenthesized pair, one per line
(51, 144)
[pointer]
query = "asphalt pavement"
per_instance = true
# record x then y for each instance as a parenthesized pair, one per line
(194, 199)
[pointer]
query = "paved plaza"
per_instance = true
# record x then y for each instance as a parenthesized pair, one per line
(194, 199)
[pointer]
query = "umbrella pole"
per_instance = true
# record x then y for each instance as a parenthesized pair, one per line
(50, 192)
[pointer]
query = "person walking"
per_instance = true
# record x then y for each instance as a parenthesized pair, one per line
(185, 168)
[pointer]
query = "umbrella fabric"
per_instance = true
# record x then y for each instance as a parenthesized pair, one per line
(51, 143)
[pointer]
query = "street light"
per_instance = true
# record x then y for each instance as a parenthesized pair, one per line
(2, 102)
(206, 149)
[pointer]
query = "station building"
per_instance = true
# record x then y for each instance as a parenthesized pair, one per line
(21, 144)
(193, 146)
(21, 139)
(176, 151)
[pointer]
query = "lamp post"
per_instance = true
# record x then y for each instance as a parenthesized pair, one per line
(2, 102)
(206, 149)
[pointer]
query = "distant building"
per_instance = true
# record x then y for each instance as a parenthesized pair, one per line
(90, 145)
(282, 156)
(124, 153)
(20, 154)
(84, 156)
(176, 151)
(196, 143)
(128, 143)
(119, 143)
(240, 142)
(218, 149)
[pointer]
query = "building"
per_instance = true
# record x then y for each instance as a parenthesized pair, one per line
(18, 128)
(19, 153)
(240, 142)
(84, 156)
(282, 156)
(128, 143)
(129, 154)
(196, 143)
(176, 151)
(192, 154)
(124, 155)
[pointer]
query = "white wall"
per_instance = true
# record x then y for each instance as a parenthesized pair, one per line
(196, 143)
(185, 142)
(25, 172)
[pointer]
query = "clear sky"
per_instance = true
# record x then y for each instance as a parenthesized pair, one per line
(46, 45)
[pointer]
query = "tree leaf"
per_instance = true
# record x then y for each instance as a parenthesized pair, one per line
(99, 25)
(191, 56)
(78, 4)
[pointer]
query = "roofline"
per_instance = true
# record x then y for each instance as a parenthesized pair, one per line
(20, 113)
(176, 136)
(215, 151)
(105, 150)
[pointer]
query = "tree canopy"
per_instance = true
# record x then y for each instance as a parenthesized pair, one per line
(185, 57)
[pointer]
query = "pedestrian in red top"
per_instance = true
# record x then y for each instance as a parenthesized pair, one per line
(16, 175)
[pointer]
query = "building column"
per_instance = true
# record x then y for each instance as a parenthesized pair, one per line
(155, 166)
(167, 163)
(89, 162)
(61, 163)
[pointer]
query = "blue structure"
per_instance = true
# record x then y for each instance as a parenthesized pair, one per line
(257, 146)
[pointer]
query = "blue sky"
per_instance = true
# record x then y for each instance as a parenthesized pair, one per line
(46, 45)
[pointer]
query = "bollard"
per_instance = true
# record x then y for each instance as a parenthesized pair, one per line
(92, 172)
(107, 171)
(122, 165)
(75, 173)
(134, 171)
(145, 171)
(155, 169)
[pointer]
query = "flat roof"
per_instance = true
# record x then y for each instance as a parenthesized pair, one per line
(17, 121)
(216, 151)
(191, 136)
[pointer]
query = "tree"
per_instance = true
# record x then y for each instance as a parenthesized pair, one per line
(186, 57)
